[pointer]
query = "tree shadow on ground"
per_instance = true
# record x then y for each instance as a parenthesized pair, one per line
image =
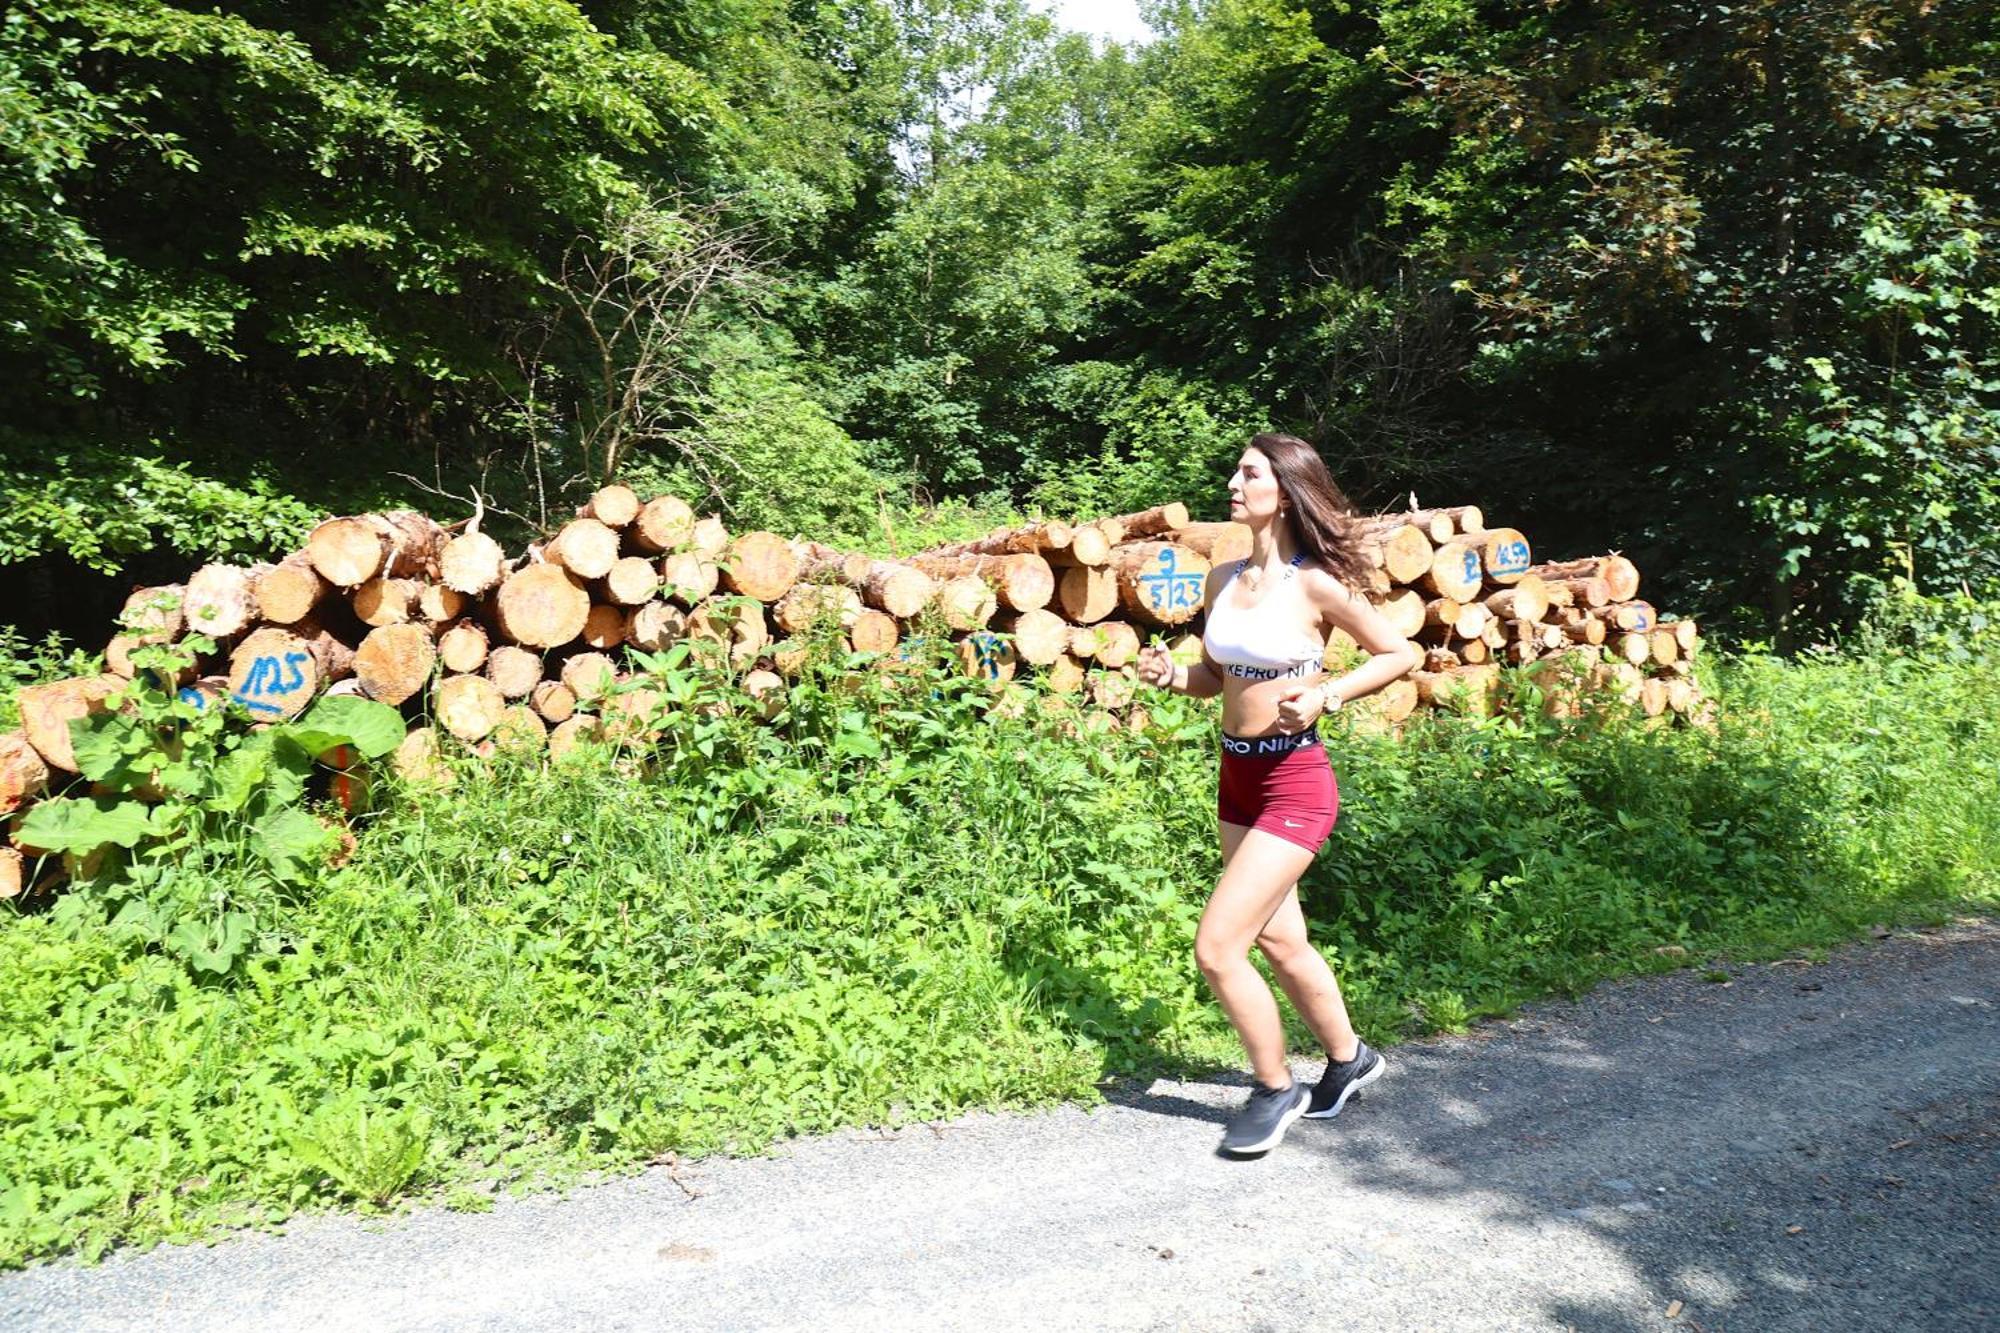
(1763, 1155)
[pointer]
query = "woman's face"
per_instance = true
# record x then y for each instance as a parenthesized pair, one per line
(1254, 497)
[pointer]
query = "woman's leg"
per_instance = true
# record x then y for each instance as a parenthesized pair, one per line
(1259, 870)
(1307, 979)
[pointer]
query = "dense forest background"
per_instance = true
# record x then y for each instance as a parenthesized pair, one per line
(1712, 284)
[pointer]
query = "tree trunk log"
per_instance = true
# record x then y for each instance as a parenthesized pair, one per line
(394, 662)
(819, 563)
(664, 523)
(797, 610)
(1472, 621)
(463, 647)
(275, 675)
(1065, 675)
(897, 588)
(553, 700)
(655, 627)
(986, 656)
(1621, 576)
(155, 611)
(708, 538)
(1152, 522)
(603, 627)
(380, 602)
(24, 774)
(399, 544)
(689, 578)
(734, 624)
(1218, 543)
(966, 602)
(874, 632)
(1634, 647)
(1089, 546)
(472, 563)
(1455, 571)
(48, 709)
(437, 606)
(1117, 643)
(1528, 599)
(1112, 690)
(1404, 551)
(571, 732)
(1040, 637)
(1160, 583)
(521, 731)
(760, 565)
(221, 600)
(469, 707)
(1636, 617)
(1406, 611)
(1439, 525)
(514, 671)
(288, 591)
(1034, 539)
(614, 506)
(632, 581)
(1019, 582)
(1504, 553)
(1589, 591)
(589, 676)
(585, 547)
(1087, 594)
(1587, 631)
(541, 606)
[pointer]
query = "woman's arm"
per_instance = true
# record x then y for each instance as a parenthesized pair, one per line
(1390, 655)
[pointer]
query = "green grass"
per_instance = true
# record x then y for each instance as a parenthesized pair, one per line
(890, 909)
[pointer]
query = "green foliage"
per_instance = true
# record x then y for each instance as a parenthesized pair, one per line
(771, 456)
(891, 906)
(193, 830)
(1713, 285)
(26, 663)
(101, 507)
(371, 1156)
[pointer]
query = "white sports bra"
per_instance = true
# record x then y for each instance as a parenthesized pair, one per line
(1251, 644)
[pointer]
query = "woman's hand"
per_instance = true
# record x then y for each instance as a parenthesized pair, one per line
(1300, 706)
(1156, 667)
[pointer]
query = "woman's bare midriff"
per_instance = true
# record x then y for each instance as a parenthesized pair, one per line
(1250, 707)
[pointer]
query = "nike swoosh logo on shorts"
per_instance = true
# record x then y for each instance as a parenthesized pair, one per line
(1290, 824)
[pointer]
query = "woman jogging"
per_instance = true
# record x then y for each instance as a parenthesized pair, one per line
(1268, 617)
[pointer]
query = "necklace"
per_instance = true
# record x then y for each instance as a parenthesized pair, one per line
(1253, 578)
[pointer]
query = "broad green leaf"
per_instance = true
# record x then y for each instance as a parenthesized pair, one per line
(77, 824)
(292, 841)
(99, 742)
(375, 729)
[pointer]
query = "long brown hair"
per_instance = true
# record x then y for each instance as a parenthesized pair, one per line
(1321, 514)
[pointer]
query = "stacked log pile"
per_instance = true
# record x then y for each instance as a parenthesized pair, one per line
(530, 651)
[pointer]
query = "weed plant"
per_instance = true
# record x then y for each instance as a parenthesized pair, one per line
(889, 904)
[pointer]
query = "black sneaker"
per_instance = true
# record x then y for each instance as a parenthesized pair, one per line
(1263, 1120)
(1343, 1081)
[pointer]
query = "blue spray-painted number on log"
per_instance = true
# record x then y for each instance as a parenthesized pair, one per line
(1169, 589)
(272, 677)
(1471, 565)
(1511, 558)
(986, 652)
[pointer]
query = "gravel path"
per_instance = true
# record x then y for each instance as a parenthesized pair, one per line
(1812, 1146)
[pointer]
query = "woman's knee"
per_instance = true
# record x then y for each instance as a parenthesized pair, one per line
(1215, 952)
(1285, 949)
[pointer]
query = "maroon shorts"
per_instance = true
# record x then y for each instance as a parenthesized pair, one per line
(1281, 784)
